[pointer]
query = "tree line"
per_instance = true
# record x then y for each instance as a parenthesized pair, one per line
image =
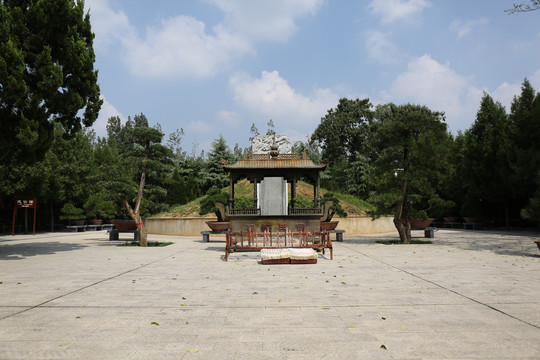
(400, 158)
(404, 160)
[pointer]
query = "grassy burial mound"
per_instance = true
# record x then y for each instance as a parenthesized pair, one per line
(244, 198)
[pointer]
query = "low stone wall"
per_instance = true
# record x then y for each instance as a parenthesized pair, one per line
(355, 225)
(352, 225)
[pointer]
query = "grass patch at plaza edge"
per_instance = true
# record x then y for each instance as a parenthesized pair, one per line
(150, 243)
(399, 242)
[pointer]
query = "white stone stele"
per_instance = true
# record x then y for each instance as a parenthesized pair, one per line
(272, 194)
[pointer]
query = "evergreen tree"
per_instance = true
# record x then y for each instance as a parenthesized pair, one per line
(47, 75)
(412, 144)
(212, 174)
(486, 163)
(343, 133)
(141, 155)
(525, 121)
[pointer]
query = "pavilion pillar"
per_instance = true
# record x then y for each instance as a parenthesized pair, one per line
(317, 193)
(231, 192)
(293, 193)
(255, 200)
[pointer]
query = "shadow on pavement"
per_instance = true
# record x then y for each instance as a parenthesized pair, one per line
(502, 243)
(22, 251)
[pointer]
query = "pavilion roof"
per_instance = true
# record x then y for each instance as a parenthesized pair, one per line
(279, 161)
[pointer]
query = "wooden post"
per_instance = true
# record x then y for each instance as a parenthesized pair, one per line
(293, 193)
(318, 192)
(255, 193)
(14, 216)
(231, 196)
(35, 211)
(19, 203)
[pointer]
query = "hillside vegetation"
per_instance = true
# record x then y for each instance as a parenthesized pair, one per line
(244, 189)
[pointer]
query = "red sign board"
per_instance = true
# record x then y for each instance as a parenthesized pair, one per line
(26, 204)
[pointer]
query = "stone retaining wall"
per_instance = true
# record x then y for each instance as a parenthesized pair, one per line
(353, 225)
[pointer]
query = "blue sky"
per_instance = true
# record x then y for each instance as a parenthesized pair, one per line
(215, 67)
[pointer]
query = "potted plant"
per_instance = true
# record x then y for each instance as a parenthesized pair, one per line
(418, 221)
(331, 207)
(98, 208)
(74, 215)
(443, 209)
(213, 202)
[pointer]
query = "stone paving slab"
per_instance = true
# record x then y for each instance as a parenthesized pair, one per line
(469, 295)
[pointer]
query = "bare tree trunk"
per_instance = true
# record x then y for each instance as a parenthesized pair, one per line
(135, 215)
(403, 227)
(140, 225)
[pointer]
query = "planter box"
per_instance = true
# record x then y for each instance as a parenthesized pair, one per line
(218, 225)
(417, 223)
(329, 225)
(124, 225)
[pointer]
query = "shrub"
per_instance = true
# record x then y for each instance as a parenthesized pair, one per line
(213, 196)
(302, 202)
(70, 212)
(97, 207)
(243, 202)
(336, 207)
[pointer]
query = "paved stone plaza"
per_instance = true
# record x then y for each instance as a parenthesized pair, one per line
(470, 294)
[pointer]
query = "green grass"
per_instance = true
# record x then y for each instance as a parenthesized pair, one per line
(353, 200)
(245, 189)
(150, 244)
(398, 242)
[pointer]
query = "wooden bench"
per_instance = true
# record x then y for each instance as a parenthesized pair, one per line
(339, 234)
(206, 234)
(452, 225)
(472, 225)
(114, 234)
(93, 227)
(268, 240)
(76, 228)
(107, 226)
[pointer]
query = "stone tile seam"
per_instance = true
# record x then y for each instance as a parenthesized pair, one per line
(443, 287)
(277, 307)
(94, 284)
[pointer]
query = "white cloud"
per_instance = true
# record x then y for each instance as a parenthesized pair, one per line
(182, 46)
(381, 48)
(269, 20)
(464, 27)
(392, 11)
(535, 80)
(229, 118)
(200, 127)
(107, 110)
(109, 26)
(438, 86)
(271, 97)
(505, 92)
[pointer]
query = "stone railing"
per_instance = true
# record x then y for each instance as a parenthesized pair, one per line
(244, 211)
(305, 211)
